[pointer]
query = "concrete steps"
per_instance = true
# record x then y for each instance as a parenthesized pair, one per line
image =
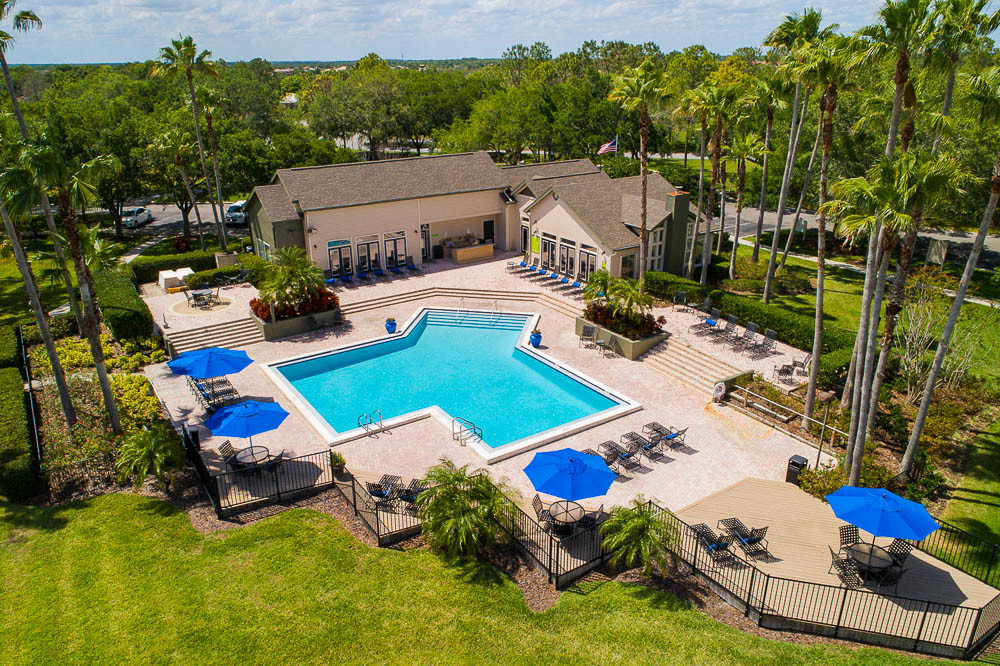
(688, 365)
(232, 334)
(487, 296)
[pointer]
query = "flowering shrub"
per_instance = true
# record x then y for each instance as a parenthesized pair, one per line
(320, 302)
(632, 326)
(137, 407)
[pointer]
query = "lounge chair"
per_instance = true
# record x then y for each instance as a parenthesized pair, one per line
(727, 333)
(587, 335)
(705, 327)
(784, 373)
(803, 365)
(848, 536)
(745, 340)
(717, 546)
(382, 495)
(675, 438)
(346, 279)
(680, 300)
(395, 270)
(379, 273)
(620, 457)
(764, 347)
(706, 306)
(651, 447)
(606, 346)
(363, 276)
(534, 265)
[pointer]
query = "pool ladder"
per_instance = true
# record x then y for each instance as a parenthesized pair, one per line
(462, 310)
(496, 312)
(463, 430)
(372, 423)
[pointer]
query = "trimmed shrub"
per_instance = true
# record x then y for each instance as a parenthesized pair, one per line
(833, 365)
(147, 269)
(792, 328)
(9, 358)
(18, 479)
(125, 313)
(663, 285)
(60, 327)
(137, 405)
(256, 266)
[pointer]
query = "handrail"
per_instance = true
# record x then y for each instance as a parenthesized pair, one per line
(460, 315)
(368, 420)
(466, 430)
(496, 312)
(747, 393)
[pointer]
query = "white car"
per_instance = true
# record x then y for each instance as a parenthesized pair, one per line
(236, 213)
(133, 218)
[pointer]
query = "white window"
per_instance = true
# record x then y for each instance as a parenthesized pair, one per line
(264, 251)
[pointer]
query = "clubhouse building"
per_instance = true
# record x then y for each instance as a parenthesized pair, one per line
(567, 216)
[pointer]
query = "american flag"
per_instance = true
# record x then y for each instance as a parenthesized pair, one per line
(609, 147)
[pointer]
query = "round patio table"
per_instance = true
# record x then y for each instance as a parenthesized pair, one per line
(252, 455)
(870, 557)
(565, 512)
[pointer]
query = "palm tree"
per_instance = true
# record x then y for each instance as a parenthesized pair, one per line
(693, 105)
(209, 102)
(628, 298)
(796, 32)
(719, 102)
(35, 300)
(74, 185)
(174, 145)
(23, 21)
(826, 67)
(903, 31)
(959, 26)
(746, 147)
(986, 96)
(182, 56)
(636, 536)
(767, 93)
(155, 451)
(598, 286)
(462, 513)
(640, 89)
(293, 278)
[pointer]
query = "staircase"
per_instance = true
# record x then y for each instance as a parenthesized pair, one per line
(489, 295)
(693, 368)
(231, 334)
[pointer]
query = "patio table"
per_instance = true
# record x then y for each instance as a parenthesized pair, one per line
(253, 455)
(565, 512)
(869, 557)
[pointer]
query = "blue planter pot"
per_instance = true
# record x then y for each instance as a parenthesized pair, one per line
(535, 339)
(390, 327)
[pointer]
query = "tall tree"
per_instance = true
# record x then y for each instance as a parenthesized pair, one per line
(720, 102)
(175, 147)
(23, 21)
(767, 95)
(74, 186)
(640, 89)
(694, 105)
(183, 57)
(795, 32)
(209, 104)
(986, 96)
(745, 147)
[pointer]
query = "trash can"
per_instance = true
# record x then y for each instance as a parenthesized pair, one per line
(438, 252)
(795, 466)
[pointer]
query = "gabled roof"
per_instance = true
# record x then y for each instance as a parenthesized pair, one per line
(357, 183)
(605, 207)
(519, 174)
(276, 203)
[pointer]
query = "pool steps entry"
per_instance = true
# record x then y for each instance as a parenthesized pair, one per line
(472, 319)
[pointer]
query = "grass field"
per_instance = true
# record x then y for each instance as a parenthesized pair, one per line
(975, 505)
(14, 300)
(125, 579)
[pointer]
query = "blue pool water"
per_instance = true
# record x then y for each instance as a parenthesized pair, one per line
(468, 368)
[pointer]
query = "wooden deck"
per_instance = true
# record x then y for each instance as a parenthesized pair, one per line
(801, 529)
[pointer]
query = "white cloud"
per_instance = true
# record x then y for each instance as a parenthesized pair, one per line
(122, 30)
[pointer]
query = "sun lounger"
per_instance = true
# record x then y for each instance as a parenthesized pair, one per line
(680, 300)
(764, 347)
(705, 327)
(746, 339)
(727, 333)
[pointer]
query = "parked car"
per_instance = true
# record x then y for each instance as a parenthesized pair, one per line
(236, 213)
(133, 218)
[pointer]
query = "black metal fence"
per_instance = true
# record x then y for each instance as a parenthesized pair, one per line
(31, 403)
(390, 522)
(964, 551)
(244, 490)
(82, 478)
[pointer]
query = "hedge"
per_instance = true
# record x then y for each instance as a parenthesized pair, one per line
(59, 327)
(147, 269)
(255, 265)
(125, 313)
(9, 358)
(18, 479)
(833, 366)
(663, 285)
(794, 329)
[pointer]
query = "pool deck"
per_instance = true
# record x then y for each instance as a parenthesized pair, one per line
(723, 446)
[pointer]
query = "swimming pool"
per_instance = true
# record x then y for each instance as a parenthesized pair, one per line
(469, 364)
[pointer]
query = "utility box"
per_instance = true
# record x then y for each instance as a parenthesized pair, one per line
(795, 466)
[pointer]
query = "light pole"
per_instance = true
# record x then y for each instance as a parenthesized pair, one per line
(824, 397)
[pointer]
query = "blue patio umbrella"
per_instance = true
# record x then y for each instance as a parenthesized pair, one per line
(569, 474)
(211, 362)
(246, 419)
(882, 513)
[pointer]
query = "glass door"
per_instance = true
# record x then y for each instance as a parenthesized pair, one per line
(548, 254)
(567, 257)
(588, 264)
(395, 249)
(425, 241)
(368, 259)
(340, 260)
(525, 239)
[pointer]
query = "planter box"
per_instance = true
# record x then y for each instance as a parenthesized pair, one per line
(284, 328)
(223, 259)
(630, 349)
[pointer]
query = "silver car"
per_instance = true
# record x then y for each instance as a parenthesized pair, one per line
(133, 218)
(236, 213)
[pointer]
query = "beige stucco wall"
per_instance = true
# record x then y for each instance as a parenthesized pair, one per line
(551, 216)
(460, 211)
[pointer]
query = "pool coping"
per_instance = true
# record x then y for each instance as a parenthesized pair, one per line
(491, 455)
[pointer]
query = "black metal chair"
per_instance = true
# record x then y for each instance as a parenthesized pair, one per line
(727, 333)
(587, 335)
(848, 536)
(541, 513)
(890, 578)
(834, 556)
(847, 570)
(764, 347)
(590, 519)
(745, 340)
(899, 549)
(675, 438)
(784, 372)
(680, 299)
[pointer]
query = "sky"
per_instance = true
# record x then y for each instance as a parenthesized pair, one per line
(129, 30)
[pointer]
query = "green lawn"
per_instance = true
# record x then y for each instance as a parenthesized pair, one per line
(125, 579)
(14, 300)
(975, 505)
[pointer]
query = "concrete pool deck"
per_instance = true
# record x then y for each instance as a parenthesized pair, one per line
(723, 446)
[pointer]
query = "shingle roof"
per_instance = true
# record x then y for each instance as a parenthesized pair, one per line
(606, 206)
(520, 173)
(276, 203)
(357, 183)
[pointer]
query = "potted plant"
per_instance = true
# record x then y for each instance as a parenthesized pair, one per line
(535, 338)
(337, 462)
(390, 325)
